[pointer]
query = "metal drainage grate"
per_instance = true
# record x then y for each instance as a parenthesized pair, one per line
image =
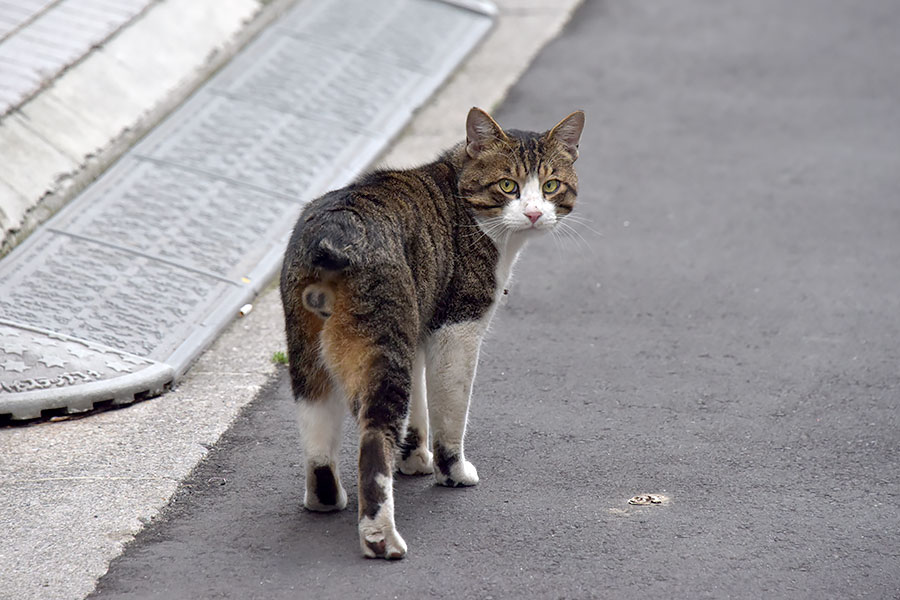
(116, 295)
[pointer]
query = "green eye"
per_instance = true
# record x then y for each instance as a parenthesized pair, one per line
(550, 186)
(508, 186)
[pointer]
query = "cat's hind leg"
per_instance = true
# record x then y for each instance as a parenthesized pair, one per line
(320, 407)
(371, 355)
(415, 456)
(452, 356)
(320, 427)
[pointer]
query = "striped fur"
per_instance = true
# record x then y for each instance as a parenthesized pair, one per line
(400, 265)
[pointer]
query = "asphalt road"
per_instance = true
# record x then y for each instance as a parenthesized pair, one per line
(731, 340)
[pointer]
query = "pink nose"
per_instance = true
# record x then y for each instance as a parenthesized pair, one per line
(533, 215)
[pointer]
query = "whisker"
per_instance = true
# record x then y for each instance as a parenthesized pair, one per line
(574, 234)
(557, 242)
(487, 227)
(580, 220)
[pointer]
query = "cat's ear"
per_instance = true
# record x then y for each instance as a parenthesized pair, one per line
(481, 130)
(568, 132)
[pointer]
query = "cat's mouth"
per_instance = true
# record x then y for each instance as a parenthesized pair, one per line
(541, 225)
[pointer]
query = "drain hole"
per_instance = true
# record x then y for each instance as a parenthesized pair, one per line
(63, 414)
(49, 413)
(147, 394)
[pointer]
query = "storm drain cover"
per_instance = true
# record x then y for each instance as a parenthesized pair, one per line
(113, 298)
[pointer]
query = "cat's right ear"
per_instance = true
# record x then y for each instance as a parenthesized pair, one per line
(481, 131)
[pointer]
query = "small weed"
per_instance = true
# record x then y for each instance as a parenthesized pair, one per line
(280, 358)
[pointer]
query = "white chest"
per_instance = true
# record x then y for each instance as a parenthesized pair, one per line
(509, 254)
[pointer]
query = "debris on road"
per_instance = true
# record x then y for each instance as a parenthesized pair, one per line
(647, 499)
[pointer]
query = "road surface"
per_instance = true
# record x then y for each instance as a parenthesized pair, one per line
(724, 330)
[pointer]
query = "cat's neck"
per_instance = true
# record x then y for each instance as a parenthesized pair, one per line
(509, 245)
(455, 156)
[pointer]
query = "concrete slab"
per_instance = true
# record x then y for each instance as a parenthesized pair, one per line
(192, 32)
(63, 122)
(29, 161)
(13, 205)
(47, 37)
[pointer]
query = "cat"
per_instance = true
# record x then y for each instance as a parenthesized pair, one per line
(388, 286)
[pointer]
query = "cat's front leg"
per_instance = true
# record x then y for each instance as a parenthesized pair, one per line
(452, 355)
(415, 457)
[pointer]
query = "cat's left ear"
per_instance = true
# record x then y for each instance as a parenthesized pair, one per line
(568, 132)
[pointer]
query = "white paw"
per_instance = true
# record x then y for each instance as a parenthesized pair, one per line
(312, 502)
(462, 473)
(324, 492)
(380, 541)
(419, 462)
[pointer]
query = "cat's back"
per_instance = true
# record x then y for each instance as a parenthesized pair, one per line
(411, 198)
(384, 216)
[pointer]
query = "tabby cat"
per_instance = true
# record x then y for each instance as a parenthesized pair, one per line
(388, 286)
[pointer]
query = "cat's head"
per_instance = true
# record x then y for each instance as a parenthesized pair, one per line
(520, 181)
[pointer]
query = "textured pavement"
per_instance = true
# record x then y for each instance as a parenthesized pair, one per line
(730, 341)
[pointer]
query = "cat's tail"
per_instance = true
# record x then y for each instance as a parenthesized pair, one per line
(329, 243)
(329, 260)
(332, 240)
(330, 254)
